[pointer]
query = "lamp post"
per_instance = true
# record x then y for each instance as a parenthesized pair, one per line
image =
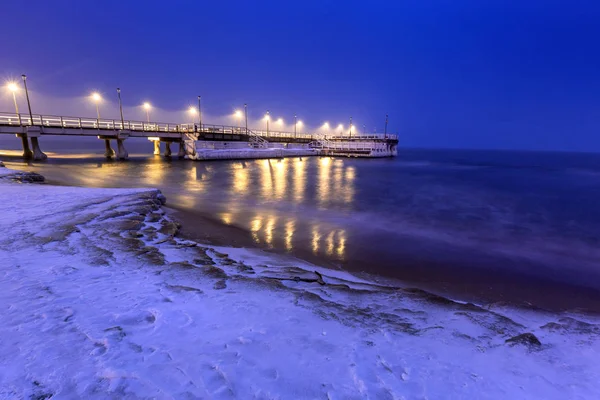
(267, 117)
(295, 124)
(121, 108)
(27, 95)
(199, 113)
(193, 111)
(238, 115)
(13, 88)
(350, 127)
(246, 116)
(96, 99)
(364, 129)
(385, 131)
(147, 107)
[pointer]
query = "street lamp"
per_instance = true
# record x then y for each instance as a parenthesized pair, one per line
(246, 116)
(96, 98)
(295, 124)
(199, 113)
(238, 115)
(121, 108)
(24, 77)
(147, 107)
(299, 123)
(350, 127)
(267, 118)
(385, 131)
(11, 86)
(341, 128)
(280, 122)
(193, 112)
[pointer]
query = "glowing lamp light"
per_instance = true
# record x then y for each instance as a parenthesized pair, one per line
(147, 106)
(341, 127)
(299, 122)
(12, 87)
(192, 110)
(238, 114)
(280, 121)
(267, 117)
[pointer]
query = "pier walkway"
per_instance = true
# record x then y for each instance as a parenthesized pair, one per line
(32, 127)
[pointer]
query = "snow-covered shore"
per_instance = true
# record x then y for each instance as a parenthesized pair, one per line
(99, 299)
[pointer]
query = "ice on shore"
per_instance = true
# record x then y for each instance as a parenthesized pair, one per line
(98, 299)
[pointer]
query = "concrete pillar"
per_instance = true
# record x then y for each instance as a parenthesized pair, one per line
(122, 153)
(38, 154)
(181, 153)
(109, 153)
(27, 153)
(167, 149)
(157, 147)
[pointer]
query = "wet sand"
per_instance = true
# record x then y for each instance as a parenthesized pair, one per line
(456, 281)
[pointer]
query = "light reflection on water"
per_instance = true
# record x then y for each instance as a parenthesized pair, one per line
(281, 203)
(281, 188)
(438, 206)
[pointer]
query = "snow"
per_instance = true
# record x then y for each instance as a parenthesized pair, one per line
(98, 299)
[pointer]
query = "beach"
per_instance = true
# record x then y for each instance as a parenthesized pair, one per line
(102, 298)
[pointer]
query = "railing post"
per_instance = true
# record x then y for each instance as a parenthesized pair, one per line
(79, 122)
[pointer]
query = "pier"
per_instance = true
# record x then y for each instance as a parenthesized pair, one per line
(195, 141)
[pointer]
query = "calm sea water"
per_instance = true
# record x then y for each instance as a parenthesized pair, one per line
(413, 217)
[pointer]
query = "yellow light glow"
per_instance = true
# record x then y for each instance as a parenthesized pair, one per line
(316, 237)
(299, 122)
(192, 110)
(267, 117)
(12, 86)
(238, 114)
(341, 127)
(280, 121)
(255, 226)
(326, 125)
(289, 234)
(147, 106)
(96, 97)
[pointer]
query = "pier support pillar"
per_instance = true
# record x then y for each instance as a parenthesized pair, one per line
(181, 152)
(167, 149)
(27, 153)
(38, 154)
(157, 147)
(122, 153)
(109, 153)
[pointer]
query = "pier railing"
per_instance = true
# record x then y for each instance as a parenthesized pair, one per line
(104, 124)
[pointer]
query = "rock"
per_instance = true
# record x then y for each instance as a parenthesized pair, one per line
(25, 177)
(169, 228)
(528, 339)
(130, 225)
(220, 285)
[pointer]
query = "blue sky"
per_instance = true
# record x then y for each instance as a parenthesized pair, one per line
(466, 74)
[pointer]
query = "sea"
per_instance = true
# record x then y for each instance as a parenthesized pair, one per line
(493, 225)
